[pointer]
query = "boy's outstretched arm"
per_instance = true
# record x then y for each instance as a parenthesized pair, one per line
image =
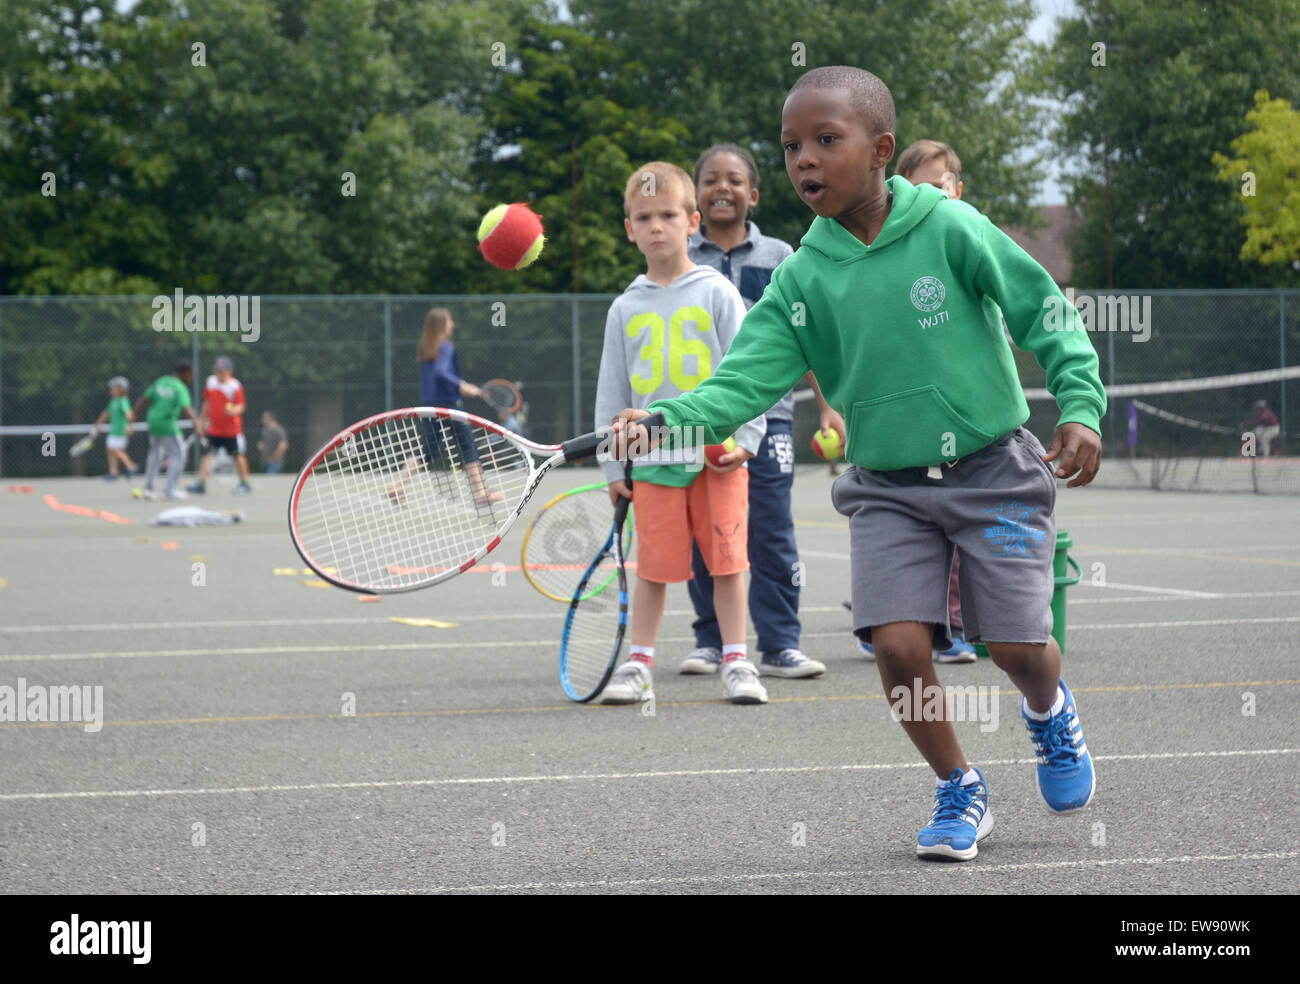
(763, 362)
(1027, 295)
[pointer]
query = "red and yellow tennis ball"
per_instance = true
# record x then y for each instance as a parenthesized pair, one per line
(714, 452)
(827, 444)
(511, 236)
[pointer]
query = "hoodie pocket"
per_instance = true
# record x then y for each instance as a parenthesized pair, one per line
(911, 429)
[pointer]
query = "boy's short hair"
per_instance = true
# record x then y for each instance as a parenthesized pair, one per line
(183, 366)
(657, 178)
(923, 152)
(868, 93)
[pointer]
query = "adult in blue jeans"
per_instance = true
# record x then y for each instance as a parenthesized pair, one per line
(726, 186)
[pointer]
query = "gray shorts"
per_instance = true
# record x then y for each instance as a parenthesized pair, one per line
(998, 505)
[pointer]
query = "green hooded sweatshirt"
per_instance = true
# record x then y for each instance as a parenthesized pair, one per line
(905, 337)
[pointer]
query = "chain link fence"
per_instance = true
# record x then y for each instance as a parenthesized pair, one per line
(323, 362)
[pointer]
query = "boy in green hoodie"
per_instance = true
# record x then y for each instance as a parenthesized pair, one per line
(895, 301)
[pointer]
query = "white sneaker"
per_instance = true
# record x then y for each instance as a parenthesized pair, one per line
(148, 494)
(630, 684)
(703, 659)
(740, 678)
(178, 494)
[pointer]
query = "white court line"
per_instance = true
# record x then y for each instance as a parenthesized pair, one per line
(260, 623)
(595, 777)
(469, 644)
(940, 870)
(1189, 622)
(824, 553)
(1213, 596)
(1155, 590)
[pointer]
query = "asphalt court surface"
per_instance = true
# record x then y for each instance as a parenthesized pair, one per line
(227, 761)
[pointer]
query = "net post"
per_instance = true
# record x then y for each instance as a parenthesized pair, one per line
(388, 353)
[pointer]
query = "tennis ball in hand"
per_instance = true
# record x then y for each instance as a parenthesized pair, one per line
(510, 236)
(714, 452)
(827, 444)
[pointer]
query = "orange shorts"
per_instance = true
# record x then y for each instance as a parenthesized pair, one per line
(713, 510)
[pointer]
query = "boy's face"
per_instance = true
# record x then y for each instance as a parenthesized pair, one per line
(833, 163)
(725, 192)
(660, 225)
(116, 391)
(935, 172)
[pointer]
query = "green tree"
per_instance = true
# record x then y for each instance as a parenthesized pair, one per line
(1267, 170)
(959, 72)
(568, 126)
(1172, 84)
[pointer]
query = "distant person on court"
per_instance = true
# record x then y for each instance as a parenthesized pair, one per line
(166, 399)
(726, 185)
(441, 385)
(901, 288)
(1263, 423)
(663, 336)
(222, 414)
(273, 445)
(118, 417)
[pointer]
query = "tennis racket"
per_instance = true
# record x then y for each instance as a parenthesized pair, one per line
(596, 622)
(409, 498)
(502, 395)
(82, 446)
(563, 537)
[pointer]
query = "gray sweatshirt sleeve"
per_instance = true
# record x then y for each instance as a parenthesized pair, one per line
(613, 388)
(750, 435)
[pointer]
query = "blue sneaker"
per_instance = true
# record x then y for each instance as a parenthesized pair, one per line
(1065, 776)
(866, 650)
(703, 659)
(790, 663)
(961, 652)
(961, 818)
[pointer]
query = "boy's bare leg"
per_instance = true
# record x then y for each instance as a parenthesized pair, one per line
(1035, 669)
(729, 603)
(903, 656)
(647, 611)
(242, 463)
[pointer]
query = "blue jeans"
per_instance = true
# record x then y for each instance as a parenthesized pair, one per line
(773, 554)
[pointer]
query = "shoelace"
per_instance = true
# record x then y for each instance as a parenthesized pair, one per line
(951, 803)
(1057, 743)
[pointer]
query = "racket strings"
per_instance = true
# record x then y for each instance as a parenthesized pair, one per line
(561, 541)
(594, 630)
(400, 503)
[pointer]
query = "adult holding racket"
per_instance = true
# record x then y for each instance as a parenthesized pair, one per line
(441, 385)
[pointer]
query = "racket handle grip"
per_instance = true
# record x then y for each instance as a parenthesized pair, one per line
(588, 444)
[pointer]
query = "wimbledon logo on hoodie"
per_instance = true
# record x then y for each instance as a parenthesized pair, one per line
(928, 295)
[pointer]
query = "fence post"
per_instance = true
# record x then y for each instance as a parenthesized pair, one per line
(388, 353)
(1110, 371)
(2, 387)
(195, 385)
(1281, 349)
(577, 375)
